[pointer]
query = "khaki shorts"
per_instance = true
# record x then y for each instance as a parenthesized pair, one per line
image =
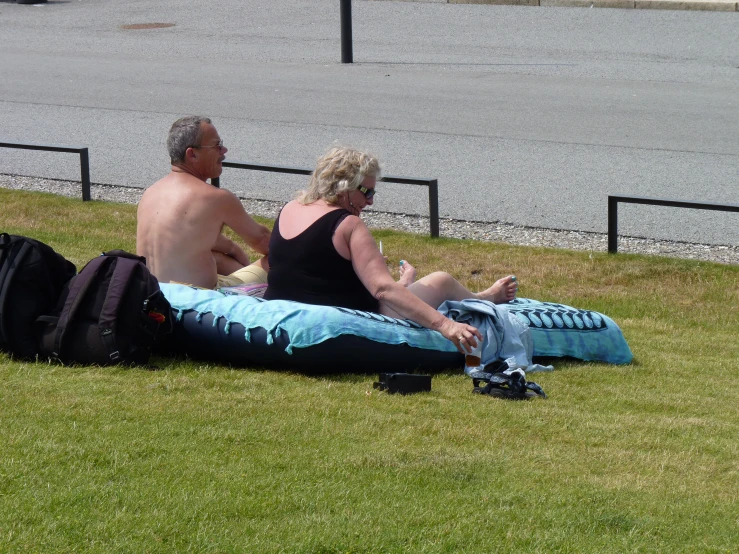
(249, 275)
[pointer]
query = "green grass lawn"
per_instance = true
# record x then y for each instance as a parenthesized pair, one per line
(198, 457)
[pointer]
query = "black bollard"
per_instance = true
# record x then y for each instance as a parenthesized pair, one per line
(346, 32)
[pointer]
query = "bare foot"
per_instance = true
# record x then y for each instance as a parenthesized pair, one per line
(503, 290)
(407, 274)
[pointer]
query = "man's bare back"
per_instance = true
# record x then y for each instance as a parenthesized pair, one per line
(181, 217)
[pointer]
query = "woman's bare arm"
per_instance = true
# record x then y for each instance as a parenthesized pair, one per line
(369, 265)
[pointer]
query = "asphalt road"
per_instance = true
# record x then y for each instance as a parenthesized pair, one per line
(525, 115)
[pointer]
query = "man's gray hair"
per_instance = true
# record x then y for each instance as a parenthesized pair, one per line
(184, 133)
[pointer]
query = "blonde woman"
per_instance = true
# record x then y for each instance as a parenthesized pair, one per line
(322, 253)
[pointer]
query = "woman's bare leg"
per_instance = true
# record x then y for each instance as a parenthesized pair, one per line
(440, 286)
(503, 290)
(407, 274)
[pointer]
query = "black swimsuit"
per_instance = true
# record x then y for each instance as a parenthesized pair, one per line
(308, 269)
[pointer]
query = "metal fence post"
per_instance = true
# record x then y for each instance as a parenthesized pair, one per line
(613, 201)
(347, 55)
(84, 159)
(612, 224)
(85, 174)
(434, 207)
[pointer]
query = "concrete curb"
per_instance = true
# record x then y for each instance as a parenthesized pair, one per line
(690, 5)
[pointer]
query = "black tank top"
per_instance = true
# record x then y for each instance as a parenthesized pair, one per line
(307, 268)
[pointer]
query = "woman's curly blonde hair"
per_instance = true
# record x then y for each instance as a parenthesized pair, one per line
(339, 170)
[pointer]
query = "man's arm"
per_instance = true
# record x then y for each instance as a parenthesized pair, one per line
(226, 246)
(255, 235)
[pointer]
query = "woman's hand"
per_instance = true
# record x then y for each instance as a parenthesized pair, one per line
(463, 336)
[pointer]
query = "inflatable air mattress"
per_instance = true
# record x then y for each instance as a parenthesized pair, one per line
(248, 331)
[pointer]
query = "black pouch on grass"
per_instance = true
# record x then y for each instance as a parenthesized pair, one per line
(32, 277)
(113, 312)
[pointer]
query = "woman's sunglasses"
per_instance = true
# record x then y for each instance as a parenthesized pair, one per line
(368, 193)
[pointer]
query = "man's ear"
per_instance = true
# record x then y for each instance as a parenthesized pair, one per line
(191, 154)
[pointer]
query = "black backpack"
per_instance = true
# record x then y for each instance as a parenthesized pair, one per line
(112, 312)
(32, 277)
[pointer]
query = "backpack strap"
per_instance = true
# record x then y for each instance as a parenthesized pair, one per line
(122, 273)
(4, 241)
(76, 294)
(8, 269)
(9, 262)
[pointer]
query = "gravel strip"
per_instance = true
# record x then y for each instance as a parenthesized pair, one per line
(453, 228)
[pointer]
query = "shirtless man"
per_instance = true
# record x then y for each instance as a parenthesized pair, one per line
(181, 217)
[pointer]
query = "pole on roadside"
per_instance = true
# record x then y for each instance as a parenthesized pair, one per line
(347, 55)
(85, 173)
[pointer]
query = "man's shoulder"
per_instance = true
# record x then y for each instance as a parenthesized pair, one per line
(217, 200)
(172, 179)
(185, 182)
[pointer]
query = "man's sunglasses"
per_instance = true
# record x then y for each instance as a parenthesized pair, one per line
(219, 145)
(368, 193)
